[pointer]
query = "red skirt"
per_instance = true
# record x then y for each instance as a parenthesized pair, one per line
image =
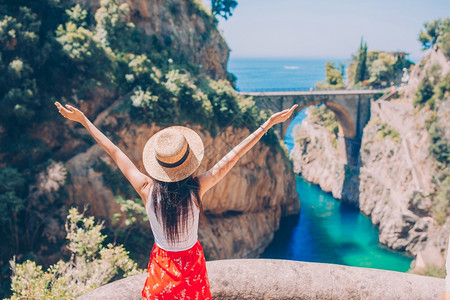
(177, 275)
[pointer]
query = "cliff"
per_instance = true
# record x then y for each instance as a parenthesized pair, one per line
(317, 159)
(187, 28)
(124, 64)
(401, 178)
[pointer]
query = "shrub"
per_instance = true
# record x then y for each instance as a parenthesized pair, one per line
(439, 144)
(441, 202)
(433, 271)
(323, 116)
(386, 131)
(90, 265)
(424, 92)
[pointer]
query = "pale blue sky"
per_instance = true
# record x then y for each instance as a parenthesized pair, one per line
(327, 28)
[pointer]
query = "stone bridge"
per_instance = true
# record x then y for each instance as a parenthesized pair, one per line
(351, 108)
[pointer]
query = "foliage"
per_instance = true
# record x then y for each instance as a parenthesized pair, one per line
(444, 37)
(90, 265)
(323, 116)
(436, 32)
(429, 37)
(361, 63)
(433, 271)
(12, 185)
(439, 143)
(223, 8)
(56, 50)
(386, 131)
(441, 201)
(424, 93)
(376, 69)
(443, 88)
(334, 78)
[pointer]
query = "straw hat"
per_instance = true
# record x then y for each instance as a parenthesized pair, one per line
(173, 154)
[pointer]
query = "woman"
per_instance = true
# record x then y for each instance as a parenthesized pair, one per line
(172, 198)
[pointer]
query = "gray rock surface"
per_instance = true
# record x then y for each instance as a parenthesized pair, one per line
(282, 279)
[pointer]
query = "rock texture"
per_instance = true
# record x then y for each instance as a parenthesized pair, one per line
(242, 211)
(280, 279)
(397, 171)
(316, 159)
(187, 27)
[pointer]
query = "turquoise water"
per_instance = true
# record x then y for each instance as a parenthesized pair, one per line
(326, 230)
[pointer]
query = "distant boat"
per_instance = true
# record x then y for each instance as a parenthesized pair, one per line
(291, 67)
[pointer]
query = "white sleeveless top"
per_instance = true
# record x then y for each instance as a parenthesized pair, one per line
(187, 238)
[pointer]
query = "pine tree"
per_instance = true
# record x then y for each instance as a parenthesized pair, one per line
(361, 65)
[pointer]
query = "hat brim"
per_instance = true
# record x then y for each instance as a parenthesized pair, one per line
(192, 162)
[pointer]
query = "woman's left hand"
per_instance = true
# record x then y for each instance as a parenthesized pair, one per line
(70, 112)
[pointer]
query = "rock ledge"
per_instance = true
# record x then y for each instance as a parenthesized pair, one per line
(283, 279)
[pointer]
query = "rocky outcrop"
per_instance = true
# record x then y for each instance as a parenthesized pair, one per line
(281, 279)
(186, 27)
(242, 211)
(396, 178)
(398, 174)
(316, 159)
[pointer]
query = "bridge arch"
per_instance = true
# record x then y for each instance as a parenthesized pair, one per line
(351, 107)
(346, 124)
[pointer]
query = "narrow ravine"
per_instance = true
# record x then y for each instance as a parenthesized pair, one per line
(330, 231)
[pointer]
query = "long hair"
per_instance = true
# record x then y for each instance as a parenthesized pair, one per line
(172, 203)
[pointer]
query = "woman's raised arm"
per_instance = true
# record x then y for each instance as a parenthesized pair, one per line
(211, 177)
(140, 182)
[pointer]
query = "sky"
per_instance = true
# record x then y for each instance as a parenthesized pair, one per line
(327, 28)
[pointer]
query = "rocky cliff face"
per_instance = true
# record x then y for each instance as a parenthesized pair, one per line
(317, 160)
(398, 175)
(242, 211)
(186, 27)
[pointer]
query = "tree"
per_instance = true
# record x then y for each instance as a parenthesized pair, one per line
(444, 37)
(223, 8)
(334, 77)
(429, 37)
(361, 64)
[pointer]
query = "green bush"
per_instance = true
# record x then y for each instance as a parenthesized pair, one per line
(439, 144)
(386, 131)
(425, 92)
(323, 116)
(443, 88)
(441, 202)
(90, 265)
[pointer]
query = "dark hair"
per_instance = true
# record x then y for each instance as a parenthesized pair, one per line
(175, 204)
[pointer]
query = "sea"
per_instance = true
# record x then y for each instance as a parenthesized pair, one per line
(326, 230)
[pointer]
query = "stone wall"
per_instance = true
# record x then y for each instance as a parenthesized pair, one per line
(281, 279)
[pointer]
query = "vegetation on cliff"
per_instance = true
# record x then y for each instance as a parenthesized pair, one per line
(436, 32)
(376, 69)
(52, 50)
(334, 78)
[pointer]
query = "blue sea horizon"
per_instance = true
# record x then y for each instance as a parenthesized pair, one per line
(278, 74)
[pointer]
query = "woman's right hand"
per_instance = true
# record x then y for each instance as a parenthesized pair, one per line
(281, 116)
(70, 112)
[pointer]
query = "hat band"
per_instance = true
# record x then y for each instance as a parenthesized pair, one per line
(175, 164)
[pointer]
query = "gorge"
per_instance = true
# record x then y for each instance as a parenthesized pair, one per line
(397, 178)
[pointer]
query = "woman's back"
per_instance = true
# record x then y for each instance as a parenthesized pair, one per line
(187, 235)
